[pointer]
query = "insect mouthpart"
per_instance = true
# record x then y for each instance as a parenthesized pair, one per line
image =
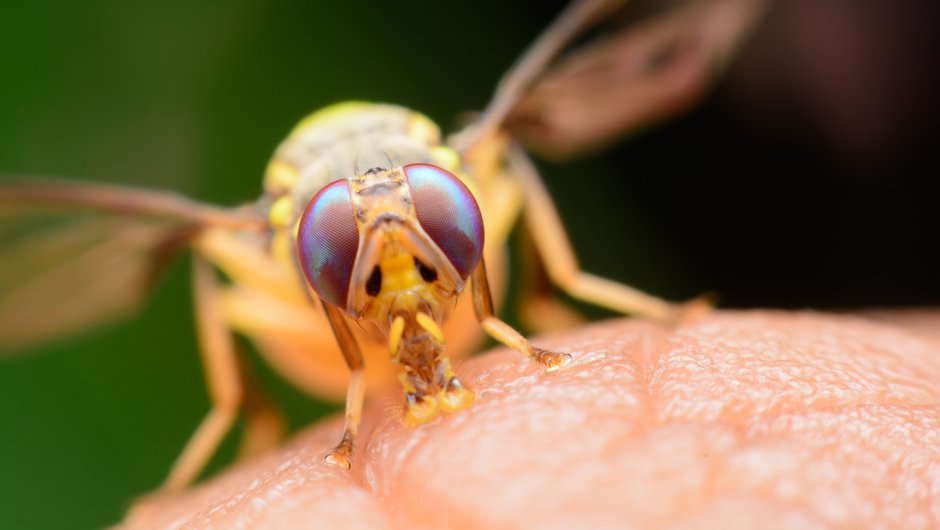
(392, 275)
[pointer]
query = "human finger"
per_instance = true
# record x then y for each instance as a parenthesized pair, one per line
(731, 420)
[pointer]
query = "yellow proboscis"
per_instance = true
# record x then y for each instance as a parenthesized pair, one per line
(421, 412)
(454, 399)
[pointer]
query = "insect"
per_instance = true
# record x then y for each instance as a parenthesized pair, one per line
(375, 150)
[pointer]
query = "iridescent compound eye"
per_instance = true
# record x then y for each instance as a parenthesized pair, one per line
(327, 242)
(448, 213)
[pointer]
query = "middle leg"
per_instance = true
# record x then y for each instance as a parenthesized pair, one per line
(341, 455)
(561, 265)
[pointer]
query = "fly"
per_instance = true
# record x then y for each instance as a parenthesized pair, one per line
(391, 248)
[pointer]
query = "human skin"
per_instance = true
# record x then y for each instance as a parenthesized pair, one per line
(726, 420)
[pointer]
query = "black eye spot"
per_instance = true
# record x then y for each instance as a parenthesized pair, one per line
(427, 273)
(374, 284)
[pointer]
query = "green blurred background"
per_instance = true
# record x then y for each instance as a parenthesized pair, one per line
(194, 96)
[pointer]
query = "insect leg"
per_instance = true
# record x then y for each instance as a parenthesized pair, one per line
(222, 380)
(503, 332)
(341, 455)
(264, 423)
(502, 204)
(561, 265)
(540, 308)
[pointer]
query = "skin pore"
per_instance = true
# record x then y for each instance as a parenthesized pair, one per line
(751, 419)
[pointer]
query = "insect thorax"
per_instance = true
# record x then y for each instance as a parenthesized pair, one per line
(342, 141)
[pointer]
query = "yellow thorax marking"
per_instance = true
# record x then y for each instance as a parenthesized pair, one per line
(281, 212)
(280, 177)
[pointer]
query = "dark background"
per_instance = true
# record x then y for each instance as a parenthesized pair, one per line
(805, 180)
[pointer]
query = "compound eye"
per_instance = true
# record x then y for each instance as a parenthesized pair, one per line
(328, 241)
(448, 213)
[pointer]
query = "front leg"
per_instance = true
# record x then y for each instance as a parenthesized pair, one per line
(503, 332)
(341, 455)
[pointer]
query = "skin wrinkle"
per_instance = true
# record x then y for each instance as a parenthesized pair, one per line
(857, 378)
(731, 420)
(648, 355)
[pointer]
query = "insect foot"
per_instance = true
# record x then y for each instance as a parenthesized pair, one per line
(550, 359)
(695, 308)
(341, 455)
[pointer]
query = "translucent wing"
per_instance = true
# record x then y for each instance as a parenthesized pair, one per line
(73, 256)
(650, 60)
(646, 72)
